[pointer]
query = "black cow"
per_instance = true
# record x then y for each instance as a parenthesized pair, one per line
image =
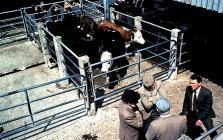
(82, 36)
(77, 35)
(113, 46)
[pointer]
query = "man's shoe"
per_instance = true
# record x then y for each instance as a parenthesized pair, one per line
(1, 130)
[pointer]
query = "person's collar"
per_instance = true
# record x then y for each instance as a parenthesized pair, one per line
(146, 87)
(164, 115)
(150, 88)
(198, 89)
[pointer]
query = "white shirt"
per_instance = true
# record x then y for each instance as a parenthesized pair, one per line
(197, 93)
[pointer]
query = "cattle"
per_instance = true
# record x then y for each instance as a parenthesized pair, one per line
(100, 41)
(76, 36)
(129, 35)
(113, 46)
(112, 38)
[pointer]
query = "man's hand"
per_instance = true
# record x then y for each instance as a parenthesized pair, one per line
(135, 108)
(198, 123)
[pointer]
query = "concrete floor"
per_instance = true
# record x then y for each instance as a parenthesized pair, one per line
(19, 57)
(22, 66)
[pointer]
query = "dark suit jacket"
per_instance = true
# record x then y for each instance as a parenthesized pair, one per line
(204, 103)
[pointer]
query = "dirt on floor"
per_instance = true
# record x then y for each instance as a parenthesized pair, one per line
(105, 124)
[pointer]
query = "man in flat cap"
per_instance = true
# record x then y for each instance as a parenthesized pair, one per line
(149, 92)
(166, 127)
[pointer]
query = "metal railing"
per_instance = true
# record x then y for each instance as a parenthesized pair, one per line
(206, 134)
(33, 106)
(160, 49)
(11, 27)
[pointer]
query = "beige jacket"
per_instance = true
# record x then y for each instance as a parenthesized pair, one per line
(166, 128)
(148, 98)
(130, 122)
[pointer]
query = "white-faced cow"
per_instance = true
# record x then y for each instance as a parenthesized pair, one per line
(113, 46)
(102, 41)
(129, 35)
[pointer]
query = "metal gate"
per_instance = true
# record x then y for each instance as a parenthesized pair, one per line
(161, 51)
(25, 112)
(158, 56)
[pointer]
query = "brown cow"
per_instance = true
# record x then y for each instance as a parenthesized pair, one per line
(129, 36)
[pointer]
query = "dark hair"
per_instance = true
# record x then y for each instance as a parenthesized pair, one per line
(130, 96)
(196, 77)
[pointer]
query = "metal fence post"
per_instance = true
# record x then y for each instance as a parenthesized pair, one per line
(172, 73)
(106, 9)
(112, 15)
(138, 57)
(43, 43)
(29, 107)
(137, 22)
(84, 64)
(60, 59)
(24, 19)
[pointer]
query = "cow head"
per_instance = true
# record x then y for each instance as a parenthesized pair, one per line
(137, 36)
(85, 34)
(105, 57)
(54, 27)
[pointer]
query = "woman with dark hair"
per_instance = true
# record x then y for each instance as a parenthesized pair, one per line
(130, 116)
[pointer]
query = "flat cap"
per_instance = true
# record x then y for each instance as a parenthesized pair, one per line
(148, 80)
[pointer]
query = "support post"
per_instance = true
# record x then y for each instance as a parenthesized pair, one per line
(106, 9)
(60, 59)
(172, 73)
(84, 64)
(112, 15)
(43, 43)
(138, 57)
(137, 22)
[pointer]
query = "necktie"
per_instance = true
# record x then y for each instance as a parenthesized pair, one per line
(195, 102)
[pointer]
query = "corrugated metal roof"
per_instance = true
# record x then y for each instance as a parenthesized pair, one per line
(214, 5)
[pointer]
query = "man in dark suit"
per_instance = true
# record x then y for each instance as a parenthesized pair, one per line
(198, 107)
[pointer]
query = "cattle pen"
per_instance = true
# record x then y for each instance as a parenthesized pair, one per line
(161, 55)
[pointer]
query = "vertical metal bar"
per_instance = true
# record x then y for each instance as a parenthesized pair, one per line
(29, 107)
(112, 15)
(24, 22)
(82, 6)
(138, 56)
(212, 7)
(43, 42)
(207, 5)
(84, 64)
(181, 47)
(86, 70)
(172, 73)
(218, 7)
(137, 22)
(60, 59)
(106, 9)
